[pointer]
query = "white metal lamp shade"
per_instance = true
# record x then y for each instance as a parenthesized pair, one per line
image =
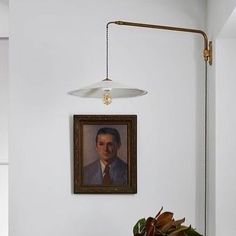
(106, 90)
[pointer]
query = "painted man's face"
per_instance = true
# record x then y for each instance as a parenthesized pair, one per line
(106, 146)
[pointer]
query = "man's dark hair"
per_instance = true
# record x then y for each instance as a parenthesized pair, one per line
(112, 131)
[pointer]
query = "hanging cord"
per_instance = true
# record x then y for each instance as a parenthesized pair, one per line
(107, 49)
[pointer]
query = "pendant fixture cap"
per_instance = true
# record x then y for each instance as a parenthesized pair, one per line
(118, 90)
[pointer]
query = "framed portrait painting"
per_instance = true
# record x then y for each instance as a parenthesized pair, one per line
(105, 154)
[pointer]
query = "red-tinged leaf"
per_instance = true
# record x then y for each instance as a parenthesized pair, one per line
(172, 229)
(150, 231)
(165, 228)
(178, 223)
(164, 218)
(163, 225)
(150, 221)
(159, 212)
(178, 234)
(150, 226)
(158, 234)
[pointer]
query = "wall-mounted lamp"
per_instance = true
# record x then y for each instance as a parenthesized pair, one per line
(107, 89)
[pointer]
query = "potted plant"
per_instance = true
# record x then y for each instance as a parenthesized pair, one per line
(163, 225)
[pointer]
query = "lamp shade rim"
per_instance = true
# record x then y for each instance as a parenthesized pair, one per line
(117, 90)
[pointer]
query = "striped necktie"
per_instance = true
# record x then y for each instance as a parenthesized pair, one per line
(106, 175)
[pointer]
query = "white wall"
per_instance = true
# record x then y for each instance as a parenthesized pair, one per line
(57, 46)
(4, 21)
(218, 15)
(225, 137)
(4, 93)
(4, 200)
(4, 83)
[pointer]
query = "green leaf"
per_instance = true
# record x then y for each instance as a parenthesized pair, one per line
(180, 231)
(139, 227)
(192, 232)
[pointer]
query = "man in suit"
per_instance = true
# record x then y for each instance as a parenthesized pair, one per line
(108, 169)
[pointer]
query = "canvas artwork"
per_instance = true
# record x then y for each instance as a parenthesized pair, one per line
(105, 152)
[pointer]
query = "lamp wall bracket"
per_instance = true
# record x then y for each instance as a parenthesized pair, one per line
(208, 53)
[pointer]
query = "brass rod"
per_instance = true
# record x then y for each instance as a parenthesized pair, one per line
(206, 53)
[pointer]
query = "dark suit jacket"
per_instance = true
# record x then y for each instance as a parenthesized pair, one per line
(92, 173)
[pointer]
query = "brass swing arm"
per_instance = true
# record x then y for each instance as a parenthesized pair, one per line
(207, 52)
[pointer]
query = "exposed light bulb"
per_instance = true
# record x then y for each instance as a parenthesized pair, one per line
(107, 98)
